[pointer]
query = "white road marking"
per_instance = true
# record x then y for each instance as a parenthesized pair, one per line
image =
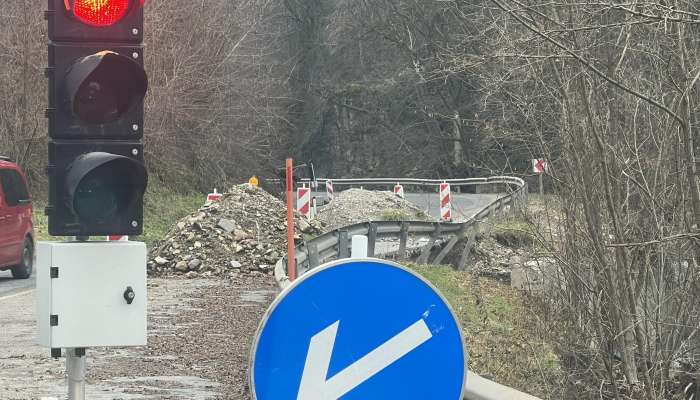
(23, 292)
(315, 386)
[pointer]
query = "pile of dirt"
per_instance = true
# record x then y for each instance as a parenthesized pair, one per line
(356, 205)
(245, 232)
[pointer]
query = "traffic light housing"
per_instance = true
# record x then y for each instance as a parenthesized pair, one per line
(97, 84)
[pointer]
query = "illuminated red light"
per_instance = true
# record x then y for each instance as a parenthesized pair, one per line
(101, 12)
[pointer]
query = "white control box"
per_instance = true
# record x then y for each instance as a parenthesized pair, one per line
(91, 294)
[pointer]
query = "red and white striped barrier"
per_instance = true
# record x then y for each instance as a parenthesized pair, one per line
(398, 190)
(117, 238)
(445, 202)
(213, 197)
(329, 189)
(304, 201)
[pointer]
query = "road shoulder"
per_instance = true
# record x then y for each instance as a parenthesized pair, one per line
(200, 332)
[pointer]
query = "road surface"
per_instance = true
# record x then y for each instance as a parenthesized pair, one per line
(10, 287)
(464, 206)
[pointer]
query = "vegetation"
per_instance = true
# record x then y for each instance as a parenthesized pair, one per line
(396, 215)
(504, 337)
(514, 231)
(607, 91)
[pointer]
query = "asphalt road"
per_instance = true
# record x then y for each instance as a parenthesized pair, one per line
(464, 206)
(10, 287)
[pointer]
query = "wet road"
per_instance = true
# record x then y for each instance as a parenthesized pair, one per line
(464, 206)
(11, 287)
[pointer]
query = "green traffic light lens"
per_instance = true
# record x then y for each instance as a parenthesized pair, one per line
(96, 201)
(105, 188)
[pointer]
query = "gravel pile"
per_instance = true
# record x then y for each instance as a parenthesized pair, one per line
(356, 205)
(245, 232)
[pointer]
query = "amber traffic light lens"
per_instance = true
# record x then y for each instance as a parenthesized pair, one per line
(103, 86)
(101, 12)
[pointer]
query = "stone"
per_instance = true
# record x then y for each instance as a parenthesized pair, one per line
(247, 226)
(194, 264)
(239, 235)
(304, 226)
(227, 225)
(181, 266)
(191, 275)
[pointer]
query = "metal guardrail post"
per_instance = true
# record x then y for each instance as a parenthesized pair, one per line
(313, 254)
(425, 253)
(447, 249)
(372, 239)
(343, 244)
(403, 239)
(466, 253)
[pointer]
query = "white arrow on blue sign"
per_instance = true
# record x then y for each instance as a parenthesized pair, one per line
(358, 330)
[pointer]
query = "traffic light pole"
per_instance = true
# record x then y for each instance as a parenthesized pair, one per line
(76, 366)
(75, 369)
(93, 293)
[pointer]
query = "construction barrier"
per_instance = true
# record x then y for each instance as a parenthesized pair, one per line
(329, 189)
(304, 201)
(398, 190)
(213, 197)
(117, 238)
(445, 202)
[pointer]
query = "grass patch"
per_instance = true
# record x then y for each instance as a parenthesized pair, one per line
(162, 208)
(504, 338)
(391, 214)
(514, 231)
(395, 215)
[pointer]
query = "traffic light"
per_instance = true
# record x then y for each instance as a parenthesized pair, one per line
(97, 85)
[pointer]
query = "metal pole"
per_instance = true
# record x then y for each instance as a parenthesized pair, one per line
(291, 256)
(542, 185)
(75, 369)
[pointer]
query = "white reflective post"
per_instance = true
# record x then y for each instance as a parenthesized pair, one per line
(359, 246)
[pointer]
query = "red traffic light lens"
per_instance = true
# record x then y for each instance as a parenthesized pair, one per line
(100, 12)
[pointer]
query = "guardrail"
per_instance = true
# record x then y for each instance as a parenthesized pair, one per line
(337, 244)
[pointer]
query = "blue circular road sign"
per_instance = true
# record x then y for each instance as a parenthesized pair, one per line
(358, 330)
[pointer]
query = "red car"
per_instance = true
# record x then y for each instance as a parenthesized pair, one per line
(16, 226)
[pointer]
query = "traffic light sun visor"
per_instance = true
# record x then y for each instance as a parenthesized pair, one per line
(104, 86)
(103, 186)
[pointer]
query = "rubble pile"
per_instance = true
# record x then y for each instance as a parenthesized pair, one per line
(353, 206)
(245, 232)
